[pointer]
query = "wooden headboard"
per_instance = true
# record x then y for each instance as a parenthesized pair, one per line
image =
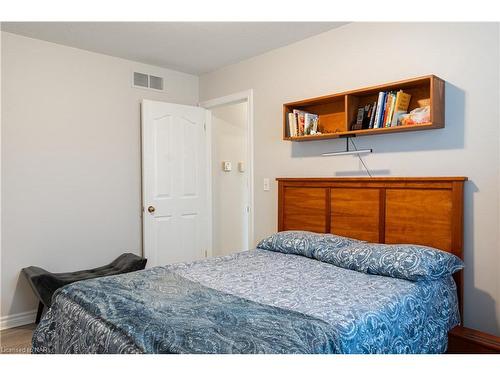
(419, 210)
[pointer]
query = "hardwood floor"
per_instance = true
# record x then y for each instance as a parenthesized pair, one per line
(16, 340)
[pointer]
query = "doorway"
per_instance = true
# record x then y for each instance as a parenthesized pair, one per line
(231, 139)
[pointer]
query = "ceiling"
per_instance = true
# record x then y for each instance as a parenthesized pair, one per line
(191, 47)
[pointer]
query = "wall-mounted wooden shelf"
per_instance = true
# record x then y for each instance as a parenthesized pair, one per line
(337, 112)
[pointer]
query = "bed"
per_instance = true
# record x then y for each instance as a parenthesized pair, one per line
(322, 284)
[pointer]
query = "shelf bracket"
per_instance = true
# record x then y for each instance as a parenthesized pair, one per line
(348, 151)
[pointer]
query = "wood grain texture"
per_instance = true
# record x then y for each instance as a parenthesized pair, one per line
(355, 213)
(304, 209)
(419, 216)
(437, 96)
(421, 210)
(332, 117)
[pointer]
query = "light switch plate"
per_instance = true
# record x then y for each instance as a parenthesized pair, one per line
(241, 166)
(226, 166)
(267, 186)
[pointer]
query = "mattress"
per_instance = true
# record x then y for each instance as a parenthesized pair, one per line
(256, 301)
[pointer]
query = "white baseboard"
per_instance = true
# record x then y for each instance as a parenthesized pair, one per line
(16, 320)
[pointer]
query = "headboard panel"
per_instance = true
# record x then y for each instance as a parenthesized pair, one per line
(420, 210)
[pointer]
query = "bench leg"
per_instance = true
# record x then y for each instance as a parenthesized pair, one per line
(39, 312)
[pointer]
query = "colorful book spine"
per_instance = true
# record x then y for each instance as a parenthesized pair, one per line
(366, 117)
(401, 106)
(315, 124)
(390, 109)
(300, 121)
(309, 120)
(380, 110)
(386, 108)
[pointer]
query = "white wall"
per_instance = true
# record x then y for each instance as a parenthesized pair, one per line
(229, 189)
(362, 54)
(71, 188)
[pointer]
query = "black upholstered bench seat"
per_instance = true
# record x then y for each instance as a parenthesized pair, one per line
(45, 283)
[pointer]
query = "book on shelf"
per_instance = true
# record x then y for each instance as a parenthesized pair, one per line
(310, 123)
(292, 124)
(302, 123)
(316, 124)
(359, 119)
(380, 109)
(400, 106)
(384, 112)
(372, 117)
(391, 101)
(364, 117)
(386, 108)
(390, 105)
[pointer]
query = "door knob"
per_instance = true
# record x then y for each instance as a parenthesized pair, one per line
(151, 209)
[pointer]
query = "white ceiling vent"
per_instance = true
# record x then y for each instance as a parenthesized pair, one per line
(147, 81)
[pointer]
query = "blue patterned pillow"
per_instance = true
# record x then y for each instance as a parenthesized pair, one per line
(305, 243)
(409, 262)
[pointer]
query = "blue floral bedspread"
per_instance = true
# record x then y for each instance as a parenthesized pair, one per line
(257, 301)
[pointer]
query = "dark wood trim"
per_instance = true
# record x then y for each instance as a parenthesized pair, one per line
(328, 210)
(463, 340)
(381, 208)
(362, 132)
(459, 281)
(281, 197)
(437, 96)
(457, 237)
(371, 179)
(457, 191)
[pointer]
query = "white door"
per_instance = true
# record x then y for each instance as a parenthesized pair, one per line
(175, 182)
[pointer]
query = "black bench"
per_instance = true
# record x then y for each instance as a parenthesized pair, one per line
(45, 283)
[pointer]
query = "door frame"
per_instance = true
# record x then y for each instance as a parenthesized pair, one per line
(238, 97)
